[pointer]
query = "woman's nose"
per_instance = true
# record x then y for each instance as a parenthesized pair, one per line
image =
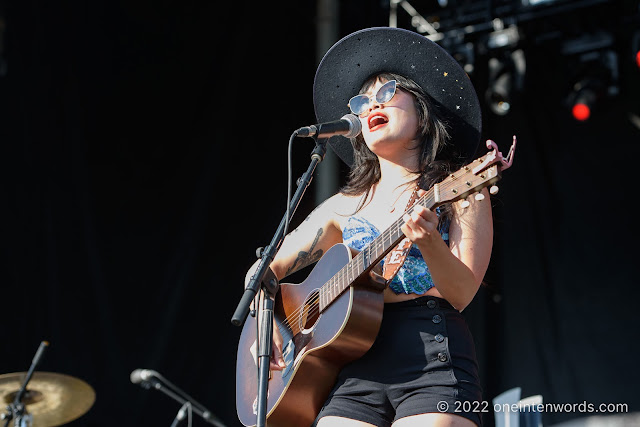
(374, 105)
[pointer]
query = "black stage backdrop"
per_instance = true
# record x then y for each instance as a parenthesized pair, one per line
(144, 160)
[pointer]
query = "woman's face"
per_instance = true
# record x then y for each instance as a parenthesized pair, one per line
(390, 129)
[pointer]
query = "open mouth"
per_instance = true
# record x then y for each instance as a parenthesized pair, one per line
(376, 120)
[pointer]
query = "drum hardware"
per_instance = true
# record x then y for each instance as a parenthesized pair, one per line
(43, 399)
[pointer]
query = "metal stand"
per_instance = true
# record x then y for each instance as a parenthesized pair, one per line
(269, 284)
(185, 400)
(16, 410)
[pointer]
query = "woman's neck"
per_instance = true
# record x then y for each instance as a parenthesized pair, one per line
(393, 175)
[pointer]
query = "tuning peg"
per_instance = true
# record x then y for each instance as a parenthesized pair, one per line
(494, 189)
(479, 196)
(464, 204)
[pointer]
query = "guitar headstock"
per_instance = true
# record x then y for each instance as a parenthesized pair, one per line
(473, 177)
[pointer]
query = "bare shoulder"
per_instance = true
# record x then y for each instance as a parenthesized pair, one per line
(341, 207)
(330, 215)
(342, 204)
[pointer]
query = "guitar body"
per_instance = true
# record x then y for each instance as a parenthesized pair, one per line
(316, 345)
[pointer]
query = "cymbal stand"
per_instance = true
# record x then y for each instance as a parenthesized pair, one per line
(16, 410)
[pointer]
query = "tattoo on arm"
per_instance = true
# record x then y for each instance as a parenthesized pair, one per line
(306, 258)
(309, 217)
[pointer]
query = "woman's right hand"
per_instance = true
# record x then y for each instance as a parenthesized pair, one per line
(276, 363)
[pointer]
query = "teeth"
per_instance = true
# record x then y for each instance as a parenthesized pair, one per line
(377, 120)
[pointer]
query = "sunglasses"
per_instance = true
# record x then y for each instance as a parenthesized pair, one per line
(360, 104)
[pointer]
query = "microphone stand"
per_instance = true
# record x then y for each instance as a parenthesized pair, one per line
(180, 415)
(195, 406)
(264, 279)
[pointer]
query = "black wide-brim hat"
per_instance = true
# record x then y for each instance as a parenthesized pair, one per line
(360, 55)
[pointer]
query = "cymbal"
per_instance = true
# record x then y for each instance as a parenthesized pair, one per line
(53, 399)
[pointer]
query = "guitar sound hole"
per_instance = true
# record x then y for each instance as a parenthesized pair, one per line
(310, 312)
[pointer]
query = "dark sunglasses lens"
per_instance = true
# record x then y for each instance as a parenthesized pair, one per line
(386, 92)
(359, 104)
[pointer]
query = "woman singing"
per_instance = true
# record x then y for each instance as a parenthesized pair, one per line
(420, 121)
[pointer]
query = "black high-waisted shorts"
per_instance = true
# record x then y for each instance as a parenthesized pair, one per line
(423, 360)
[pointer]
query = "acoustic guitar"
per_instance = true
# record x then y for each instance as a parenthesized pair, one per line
(334, 315)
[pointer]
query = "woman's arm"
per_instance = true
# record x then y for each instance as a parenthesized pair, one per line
(458, 269)
(308, 243)
(300, 248)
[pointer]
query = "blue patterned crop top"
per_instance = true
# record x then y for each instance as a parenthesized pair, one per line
(414, 276)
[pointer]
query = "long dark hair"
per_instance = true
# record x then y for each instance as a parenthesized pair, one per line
(432, 134)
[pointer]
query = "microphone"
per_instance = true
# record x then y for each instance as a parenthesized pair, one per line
(142, 375)
(348, 126)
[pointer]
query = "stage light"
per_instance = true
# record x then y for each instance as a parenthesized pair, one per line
(584, 97)
(581, 112)
(501, 36)
(465, 55)
(584, 102)
(499, 93)
(596, 78)
(506, 76)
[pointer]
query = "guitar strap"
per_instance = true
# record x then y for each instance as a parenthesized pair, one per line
(394, 259)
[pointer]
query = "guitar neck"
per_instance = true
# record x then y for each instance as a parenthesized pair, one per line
(371, 255)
